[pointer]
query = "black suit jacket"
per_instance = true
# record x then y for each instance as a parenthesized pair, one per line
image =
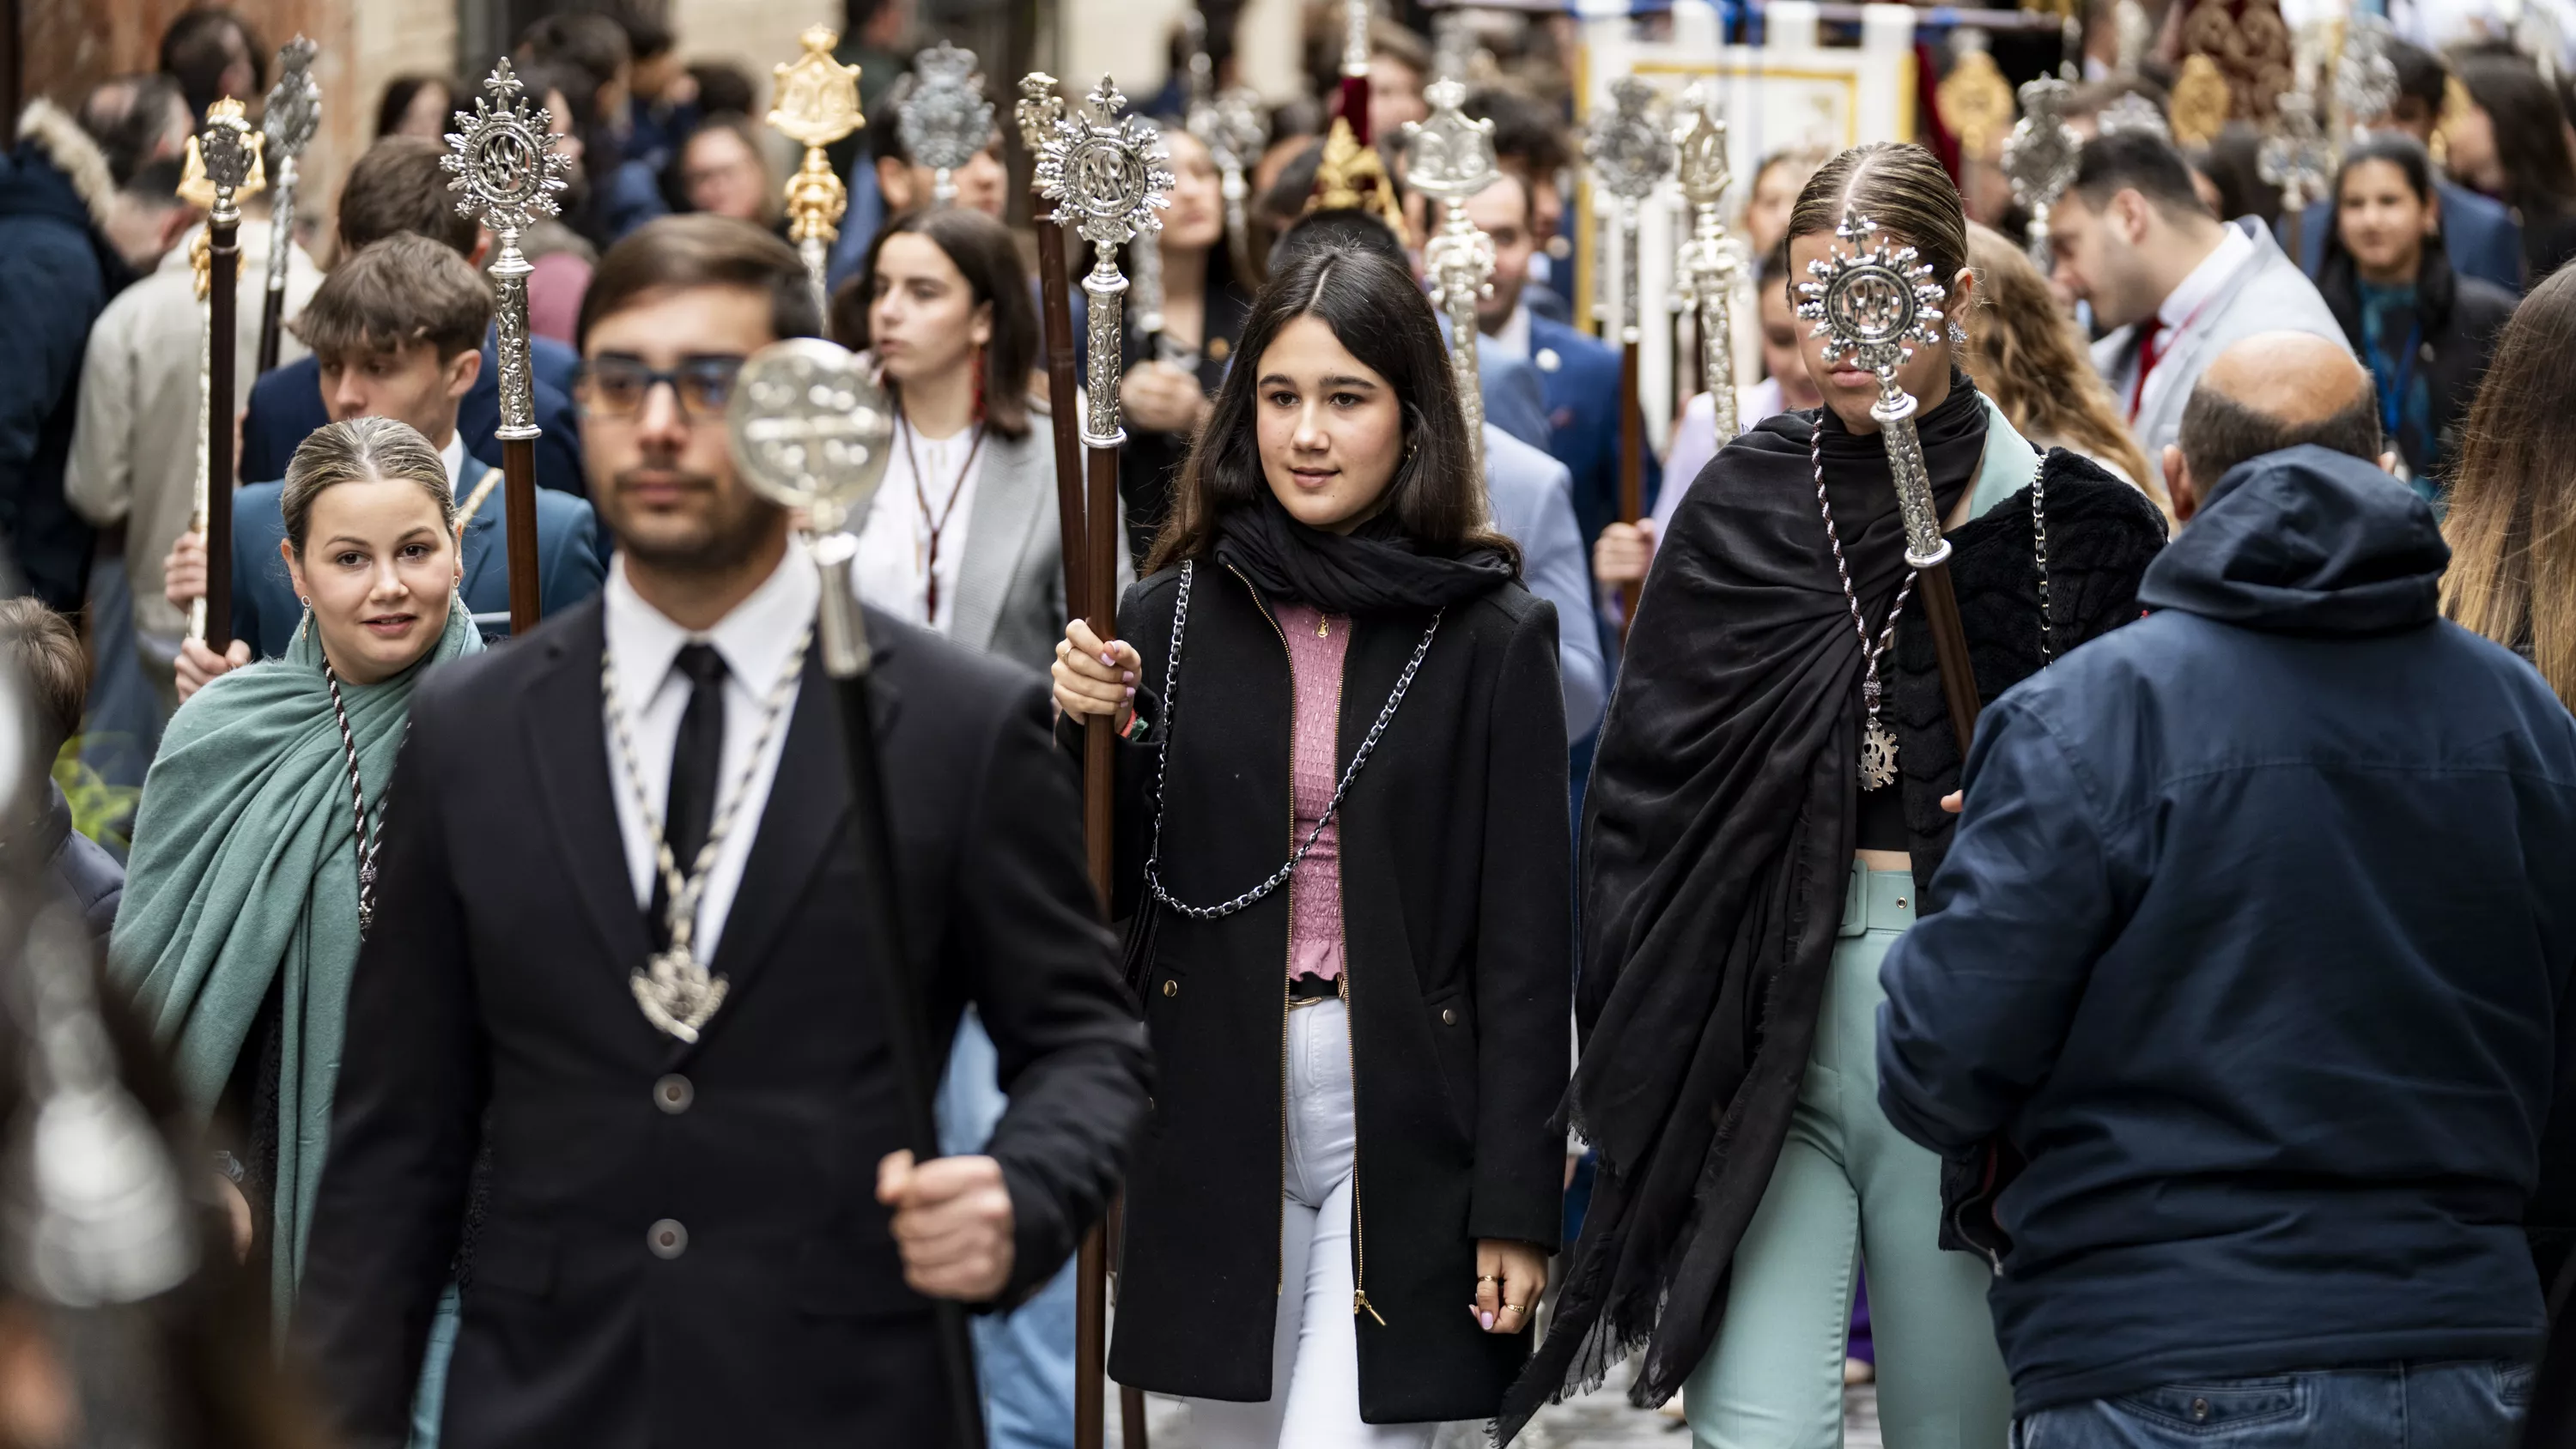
(495, 982)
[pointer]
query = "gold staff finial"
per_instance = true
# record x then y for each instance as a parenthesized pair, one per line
(817, 104)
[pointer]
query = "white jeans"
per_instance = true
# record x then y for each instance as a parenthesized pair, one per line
(1314, 1398)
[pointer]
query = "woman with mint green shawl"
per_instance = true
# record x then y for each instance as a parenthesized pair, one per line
(249, 881)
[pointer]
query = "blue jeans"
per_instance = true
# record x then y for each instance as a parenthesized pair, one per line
(1024, 1357)
(2472, 1405)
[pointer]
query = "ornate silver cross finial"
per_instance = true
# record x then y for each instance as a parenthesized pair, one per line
(1706, 271)
(1873, 303)
(1630, 152)
(294, 107)
(1451, 159)
(2039, 158)
(945, 119)
(1107, 176)
(505, 163)
(2365, 82)
(230, 152)
(2296, 156)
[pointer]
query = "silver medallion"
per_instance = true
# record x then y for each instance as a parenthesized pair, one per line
(1877, 755)
(677, 994)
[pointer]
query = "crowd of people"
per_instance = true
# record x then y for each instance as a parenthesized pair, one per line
(1647, 961)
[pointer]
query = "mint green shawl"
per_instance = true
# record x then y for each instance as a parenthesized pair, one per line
(245, 867)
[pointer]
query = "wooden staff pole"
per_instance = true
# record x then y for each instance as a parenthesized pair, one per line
(1064, 401)
(222, 362)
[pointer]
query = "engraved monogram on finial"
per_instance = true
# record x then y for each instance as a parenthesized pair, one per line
(1873, 301)
(1107, 174)
(503, 157)
(1628, 147)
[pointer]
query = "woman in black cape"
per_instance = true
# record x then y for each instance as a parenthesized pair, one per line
(1339, 1219)
(1746, 864)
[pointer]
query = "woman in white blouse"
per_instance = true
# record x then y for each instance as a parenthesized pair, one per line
(962, 537)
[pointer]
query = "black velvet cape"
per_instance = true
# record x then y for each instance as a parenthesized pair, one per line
(1718, 835)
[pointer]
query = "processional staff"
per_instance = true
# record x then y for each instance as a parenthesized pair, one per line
(293, 112)
(1710, 262)
(2298, 158)
(1871, 303)
(1451, 159)
(2365, 79)
(944, 118)
(505, 162)
(817, 104)
(1355, 67)
(811, 432)
(1230, 124)
(1106, 176)
(1630, 152)
(2040, 158)
(225, 159)
(1037, 113)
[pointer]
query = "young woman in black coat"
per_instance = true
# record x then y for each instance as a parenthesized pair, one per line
(1342, 836)
(2424, 331)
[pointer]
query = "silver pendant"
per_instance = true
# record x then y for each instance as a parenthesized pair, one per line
(677, 994)
(1877, 755)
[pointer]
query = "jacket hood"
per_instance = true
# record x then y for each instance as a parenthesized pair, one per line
(2305, 541)
(76, 186)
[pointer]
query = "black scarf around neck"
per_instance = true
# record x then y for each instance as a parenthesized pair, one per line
(1717, 840)
(1373, 567)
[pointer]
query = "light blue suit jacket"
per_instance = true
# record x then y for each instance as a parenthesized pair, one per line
(1532, 497)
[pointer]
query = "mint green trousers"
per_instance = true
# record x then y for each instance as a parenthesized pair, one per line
(1847, 1187)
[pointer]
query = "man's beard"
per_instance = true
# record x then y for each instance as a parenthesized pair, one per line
(733, 534)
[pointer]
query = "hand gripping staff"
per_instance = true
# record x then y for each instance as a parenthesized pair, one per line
(1106, 177)
(225, 159)
(293, 112)
(810, 431)
(1710, 262)
(817, 103)
(504, 160)
(1871, 304)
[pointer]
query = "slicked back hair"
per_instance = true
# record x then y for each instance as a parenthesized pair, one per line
(2139, 161)
(678, 252)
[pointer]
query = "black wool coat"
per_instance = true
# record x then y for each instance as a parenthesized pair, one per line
(1458, 956)
(2461, 316)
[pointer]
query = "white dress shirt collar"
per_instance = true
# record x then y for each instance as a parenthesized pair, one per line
(754, 639)
(453, 455)
(2234, 249)
(1514, 338)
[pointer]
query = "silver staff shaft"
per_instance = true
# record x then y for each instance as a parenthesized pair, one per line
(281, 228)
(1106, 288)
(1894, 410)
(1629, 259)
(818, 268)
(1716, 327)
(510, 271)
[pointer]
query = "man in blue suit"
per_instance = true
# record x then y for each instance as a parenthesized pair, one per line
(397, 187)
(394, 330)
(2478, 233)
(1578, 374)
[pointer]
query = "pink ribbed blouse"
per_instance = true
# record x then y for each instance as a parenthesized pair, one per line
(1316, 643)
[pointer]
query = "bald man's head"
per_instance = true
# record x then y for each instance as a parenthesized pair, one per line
(2271, 391)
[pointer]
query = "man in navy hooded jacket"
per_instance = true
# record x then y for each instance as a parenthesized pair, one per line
(2255, 942)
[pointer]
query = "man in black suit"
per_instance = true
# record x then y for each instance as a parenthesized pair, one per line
(708, 1241)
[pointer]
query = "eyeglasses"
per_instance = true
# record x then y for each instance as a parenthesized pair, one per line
(615, 385)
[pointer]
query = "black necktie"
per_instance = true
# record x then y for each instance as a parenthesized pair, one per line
(696, 760)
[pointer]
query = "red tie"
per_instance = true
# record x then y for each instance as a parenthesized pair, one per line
(2149, 332)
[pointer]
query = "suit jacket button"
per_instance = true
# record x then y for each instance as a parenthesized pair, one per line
(1448, 1016)
(1171, 987)
(674, 1094)
(667, 1239)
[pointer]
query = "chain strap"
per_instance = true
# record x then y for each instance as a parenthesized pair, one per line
(365, 843)
(1870, 653)
(2039, 551)
(1163, 760)
(680, 913)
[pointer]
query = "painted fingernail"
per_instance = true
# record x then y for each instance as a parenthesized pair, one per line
(1486, 1319)
(1127, 675)
(1131, 691)
(1109, 657)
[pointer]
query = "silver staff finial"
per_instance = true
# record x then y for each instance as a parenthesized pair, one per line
(1038, 110)
(2039, 158)
(811, 431)
(1450, 159)
(1873, 303)
(294, 107)
(1710, 262)
(2296, 157)
(230, 151)
(2365, 81)
(1107, 177)
(945, 118)
(503, 157)
(1630, 152)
